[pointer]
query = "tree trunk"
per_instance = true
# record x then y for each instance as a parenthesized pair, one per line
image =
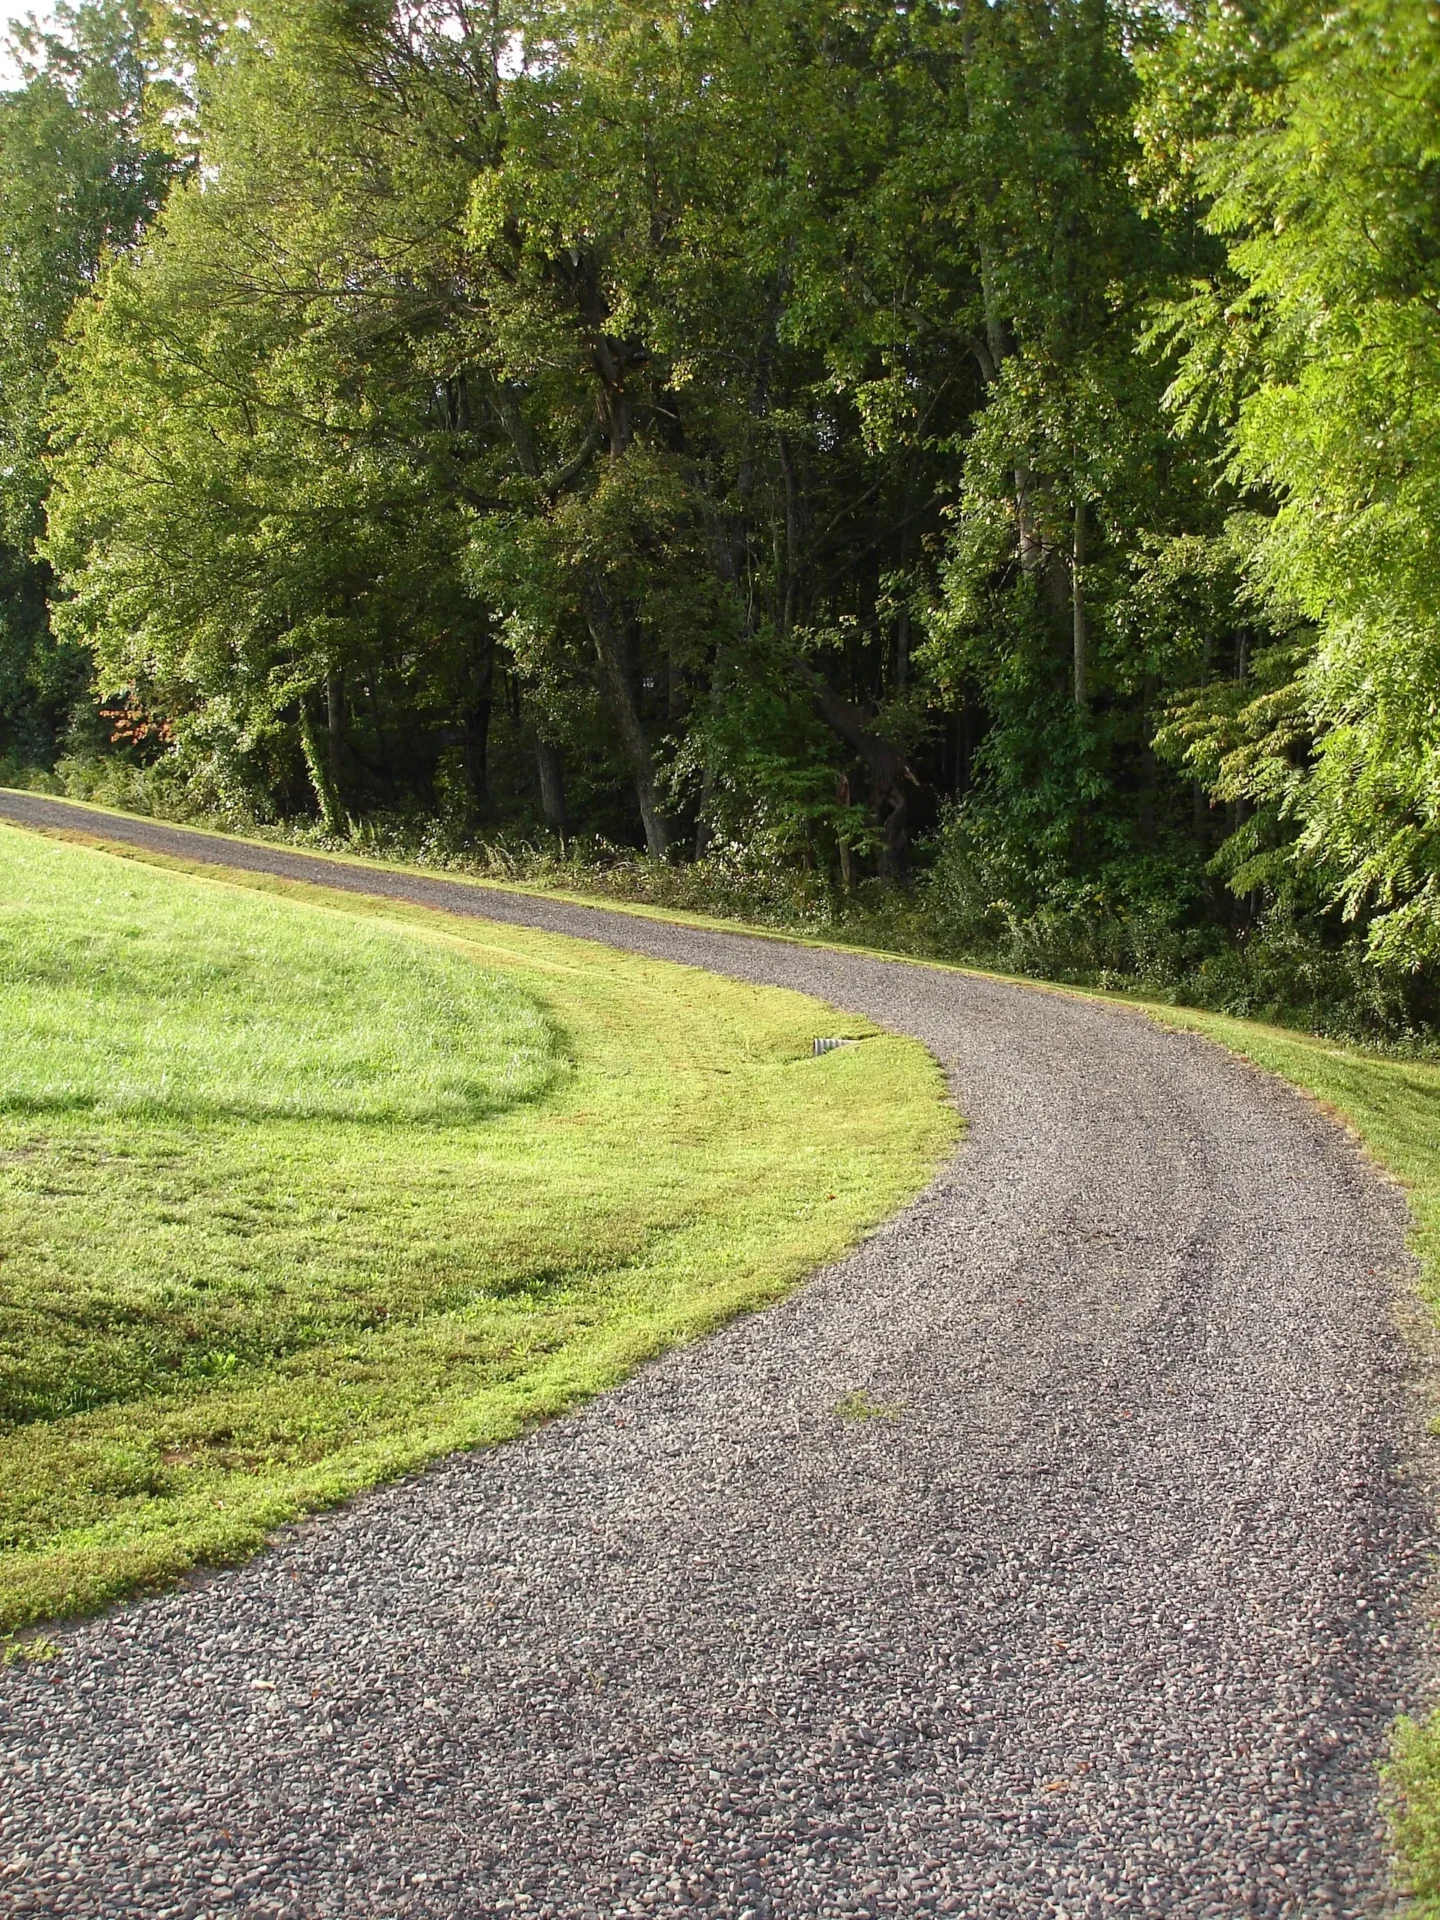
(1149, 765)
(477, 727)
(552, 787)
(847, 865)
(334, 728)
(788, 578)
(704, 833)
(1035, 561)
(1081, 628)
(317, 765)
(892, 782)
(997, 342)
(613, 652)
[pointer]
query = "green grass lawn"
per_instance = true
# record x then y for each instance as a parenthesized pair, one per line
(299, 1191)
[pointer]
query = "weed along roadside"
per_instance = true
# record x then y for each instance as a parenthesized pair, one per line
(301, 1192)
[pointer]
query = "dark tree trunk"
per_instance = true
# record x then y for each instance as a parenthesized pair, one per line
(704, 831)
(334, 728)
(477, 726)
(552, 786)
(789, 578)
(317, 765)
(847, 865)
(612, 649)
(893, 785)
(1080, 626)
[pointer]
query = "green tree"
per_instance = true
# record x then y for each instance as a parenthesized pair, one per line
(757, 422)
(1311, 142)
(84, 166)
(1050, 624)
(262, 476)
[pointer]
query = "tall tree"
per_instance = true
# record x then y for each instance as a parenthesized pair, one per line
(1311, 142)
(85, 163)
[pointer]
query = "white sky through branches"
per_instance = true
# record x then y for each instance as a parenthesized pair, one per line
(11, 13)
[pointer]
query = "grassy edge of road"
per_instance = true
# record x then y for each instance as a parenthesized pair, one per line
(1390, 1103)
(508, 1296)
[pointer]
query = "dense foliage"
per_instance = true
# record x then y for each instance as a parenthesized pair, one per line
(979, 456)
(84, 167)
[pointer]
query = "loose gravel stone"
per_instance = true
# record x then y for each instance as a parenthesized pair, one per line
(1108, 1618)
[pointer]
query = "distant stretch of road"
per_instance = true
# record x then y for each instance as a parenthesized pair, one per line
(1105, 1613)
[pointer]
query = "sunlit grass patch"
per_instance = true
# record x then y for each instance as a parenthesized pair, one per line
(136, 996)
(1413, 1780)
(365, 1184)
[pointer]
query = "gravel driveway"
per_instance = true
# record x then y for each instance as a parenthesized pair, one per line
(1108, 1618)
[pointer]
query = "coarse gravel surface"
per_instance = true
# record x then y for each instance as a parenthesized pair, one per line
(1104, 1612)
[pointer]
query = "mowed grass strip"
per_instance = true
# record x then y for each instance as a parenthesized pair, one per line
(298, 1192)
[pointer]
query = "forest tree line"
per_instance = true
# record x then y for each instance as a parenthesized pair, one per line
(977, 455)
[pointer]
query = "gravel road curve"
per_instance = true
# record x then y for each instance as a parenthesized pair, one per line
(1109, 1618)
